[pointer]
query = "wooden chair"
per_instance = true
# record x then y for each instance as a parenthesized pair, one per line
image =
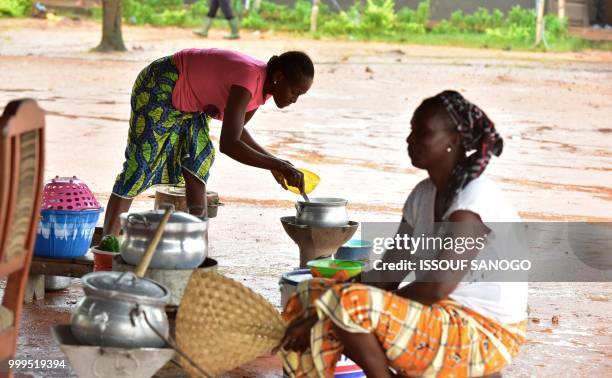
(21, 182)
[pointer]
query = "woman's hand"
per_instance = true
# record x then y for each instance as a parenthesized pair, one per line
(278, 176)
(297, 336)
(292, 175)
(280, 179)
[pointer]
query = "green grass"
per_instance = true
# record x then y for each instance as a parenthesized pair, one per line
(376, 20)
(473, 40)
(15, 8)
(469, 40)
(366, 20)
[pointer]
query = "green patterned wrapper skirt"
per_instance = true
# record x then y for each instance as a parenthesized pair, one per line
(162, 141)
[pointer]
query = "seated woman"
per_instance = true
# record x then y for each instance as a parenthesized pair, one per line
(428, 327)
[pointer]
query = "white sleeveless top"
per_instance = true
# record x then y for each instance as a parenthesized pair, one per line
(505, 302)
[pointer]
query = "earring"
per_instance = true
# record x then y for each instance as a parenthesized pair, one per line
(448, 149)
(274, 82)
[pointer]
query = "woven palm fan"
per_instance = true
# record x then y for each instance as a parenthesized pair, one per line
(221, 324)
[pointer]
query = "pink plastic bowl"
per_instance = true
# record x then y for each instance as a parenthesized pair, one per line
(68, 193)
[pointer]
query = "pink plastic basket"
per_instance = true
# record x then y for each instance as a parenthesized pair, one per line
(68, 193)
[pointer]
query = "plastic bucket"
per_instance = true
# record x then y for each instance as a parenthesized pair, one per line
(64, 233)
(345, 368)
(289, 281)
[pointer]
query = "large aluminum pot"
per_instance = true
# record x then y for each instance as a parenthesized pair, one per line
(322, 212)
(184, 244)
(119, 309)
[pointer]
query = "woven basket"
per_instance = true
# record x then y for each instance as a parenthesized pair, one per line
(222, 324)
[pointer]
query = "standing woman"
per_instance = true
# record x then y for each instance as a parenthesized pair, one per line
(226, 8)
(172, 102)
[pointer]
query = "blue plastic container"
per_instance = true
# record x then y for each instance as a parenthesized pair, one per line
(354, 249)
(346, 368)
(65, 234)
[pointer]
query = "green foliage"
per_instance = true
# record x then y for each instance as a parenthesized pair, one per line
(481, 20)
(164, 12)
(555, 26)
(15, 8)
(423, 13)
(444, 27)
(478, 22)
(365, 19)
(282, 17)
(412, 28)
(456, 19)
(171, 17)
(138, 12)
(302, 13)
(412, 22)
(96, 13)
(343, 24)
(109, 243)
(521, 17)
(253, 21)
(513, 30)
(378, 18)
(199, 8)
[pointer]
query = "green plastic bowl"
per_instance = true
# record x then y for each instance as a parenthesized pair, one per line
(331, 268)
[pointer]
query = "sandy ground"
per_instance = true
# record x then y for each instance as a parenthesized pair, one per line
(552, 109)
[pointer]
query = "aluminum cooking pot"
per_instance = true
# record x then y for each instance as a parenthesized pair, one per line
(184, 243)
(322, 212)
(119, 309)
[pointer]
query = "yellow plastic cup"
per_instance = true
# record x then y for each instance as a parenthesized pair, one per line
(311, 180)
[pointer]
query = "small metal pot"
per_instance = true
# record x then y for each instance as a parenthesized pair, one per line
(184, 244)
(54, 283)
(322, 212)
(119, 309)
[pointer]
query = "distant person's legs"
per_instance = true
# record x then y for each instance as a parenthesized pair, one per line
(598, 9)
(208, 20)
(226, 8)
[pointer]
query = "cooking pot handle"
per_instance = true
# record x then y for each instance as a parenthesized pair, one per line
(134, 313)
(131, 275)
(90, 310)
(297, 208)
(136, 218)
(196, 207)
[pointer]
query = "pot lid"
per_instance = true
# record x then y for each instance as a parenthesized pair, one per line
(154, 216)
(323, 202)
(150, 219)
(115, 284)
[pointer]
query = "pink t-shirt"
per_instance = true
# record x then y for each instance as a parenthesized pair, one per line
(205, 78)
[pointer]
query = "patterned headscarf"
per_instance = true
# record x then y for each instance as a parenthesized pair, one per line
(477, 132)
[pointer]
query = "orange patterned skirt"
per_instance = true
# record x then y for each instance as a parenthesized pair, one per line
(444, 339)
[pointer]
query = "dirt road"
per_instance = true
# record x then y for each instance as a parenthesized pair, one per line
(552, 109)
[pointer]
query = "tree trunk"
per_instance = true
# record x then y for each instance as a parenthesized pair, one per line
(314, 13)
(540, 21)
(112, 39)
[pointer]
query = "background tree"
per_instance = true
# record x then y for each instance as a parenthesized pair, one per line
(112, 39)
